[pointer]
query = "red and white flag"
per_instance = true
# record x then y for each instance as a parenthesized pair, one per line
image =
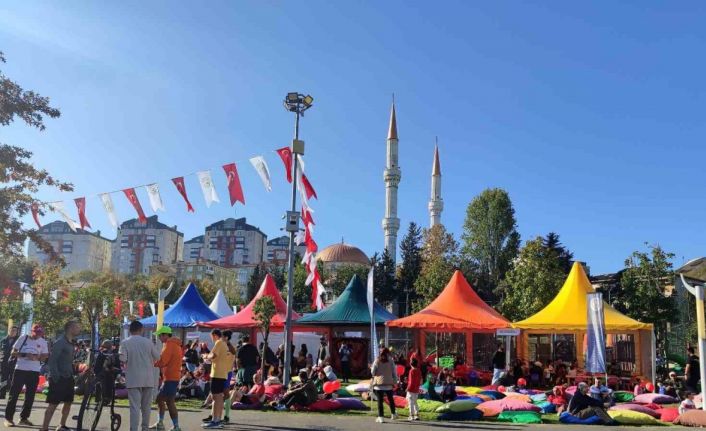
(285, 153)
(132, 197)
(35, 214)
(181, 187)
(207, 187)
(308, 188)
(81, 206)
(235, 190)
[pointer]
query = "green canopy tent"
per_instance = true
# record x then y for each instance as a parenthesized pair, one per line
(348, 313)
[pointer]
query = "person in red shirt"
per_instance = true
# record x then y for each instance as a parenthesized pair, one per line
(413, 382)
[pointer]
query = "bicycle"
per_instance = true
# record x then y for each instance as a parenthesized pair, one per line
(94, 400)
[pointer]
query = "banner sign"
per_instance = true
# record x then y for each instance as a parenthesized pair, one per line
(595, 357)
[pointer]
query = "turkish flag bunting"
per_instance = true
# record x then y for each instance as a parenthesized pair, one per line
(315, 290)
(179, 183)
(81, 205)
(132, 197)
(308, 188)
(140, 308)
(311, 245)
(234, 188)
(306, 216)
(35, 214)
(117, 306)
(285, 153)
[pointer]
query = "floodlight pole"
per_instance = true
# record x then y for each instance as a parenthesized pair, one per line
(698, 292)
(292, 226)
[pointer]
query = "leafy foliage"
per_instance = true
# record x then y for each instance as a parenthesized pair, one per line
(439, 260)
(534, 280)
(551, 242)
(254, 283)
(490, 239)
(18, 176)
(336, 281)
(49, 307)
(411, 253)
(263, 311)
(384, 279)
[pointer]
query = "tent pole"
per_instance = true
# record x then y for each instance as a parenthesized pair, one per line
(387, 336)
(653, 364)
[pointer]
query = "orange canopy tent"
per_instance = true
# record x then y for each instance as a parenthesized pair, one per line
(457, 309)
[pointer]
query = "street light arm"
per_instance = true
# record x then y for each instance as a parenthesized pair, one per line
(691, 289)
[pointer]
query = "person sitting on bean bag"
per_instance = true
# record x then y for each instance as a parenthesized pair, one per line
(448, 392)
(558, 399)
(583, 406)
(255, 396)
(301, 394)
(432, 395)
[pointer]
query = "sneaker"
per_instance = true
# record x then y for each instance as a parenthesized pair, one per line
(26, 423)
(176, 429)
(159, 426)
(379, 420)
(393, 417)
(212, 425)
(207, 419)
(411, 418)
(226, 420)
(281, 407)
(8, 423)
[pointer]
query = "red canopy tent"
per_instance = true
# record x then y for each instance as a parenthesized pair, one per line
(245, 319)
(457, 309)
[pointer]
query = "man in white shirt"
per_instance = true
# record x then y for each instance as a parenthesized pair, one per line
(139, 355)
(29, 351)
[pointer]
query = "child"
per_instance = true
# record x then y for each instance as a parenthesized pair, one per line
(448, 391)
(414, 380)
(431, 392)
(558, 399)
(688, 403)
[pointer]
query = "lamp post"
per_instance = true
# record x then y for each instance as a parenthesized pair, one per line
(698, 291)
(297, 103)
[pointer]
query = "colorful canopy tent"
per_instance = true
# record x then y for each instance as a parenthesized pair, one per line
(220, 306)
(245, 319)
(185, 312)
(349, 309)
(567, 314)
(457, 309)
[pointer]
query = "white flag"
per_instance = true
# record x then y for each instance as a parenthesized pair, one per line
(109, 209)
(58, 207)
(153, 309)
(235, 309)
(209, 191)
(299, 238)
(155, 198)
(131, 305)
(371, 309)
(260, 165)
(320, 292)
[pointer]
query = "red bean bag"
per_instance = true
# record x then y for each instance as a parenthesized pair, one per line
(325, 406)
(495, 407)
(273, 390)
(636, 408)
(668, 414)
(400, 402)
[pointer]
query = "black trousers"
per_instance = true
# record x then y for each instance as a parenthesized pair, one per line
(595, 411)
(346, 368)
(29, 380)
(295, 398)
(390, 399)
(5, 377)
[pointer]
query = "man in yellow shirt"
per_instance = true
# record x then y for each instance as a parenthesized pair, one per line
(221, 364)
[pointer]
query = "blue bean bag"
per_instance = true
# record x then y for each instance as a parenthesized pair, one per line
(493, 394)
(546, 407)
(473, 398)
(470, 415)
(569, 419)
(351, 404)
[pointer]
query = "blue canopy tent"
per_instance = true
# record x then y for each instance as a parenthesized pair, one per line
(185, 312)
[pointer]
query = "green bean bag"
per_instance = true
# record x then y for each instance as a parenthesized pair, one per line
(623, 396)
(457, 406)
(428, 406)
(629, 417)
(343, 392)
(520, 417)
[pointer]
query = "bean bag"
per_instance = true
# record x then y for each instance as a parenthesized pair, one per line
(520, 417)
(241, 406)
(473, 398)
(692, 418)
(325, 406)
(351, 404)
(629, 417)
(636, 408)
(490, 388)
(358, 387)
(429, 406)
(623, 396)
(652, 406)
(457, 406)
(538, 398)
(546, 407)
(655, 398)
(569, 419)
(343, 392)
(506, 405)
(490, 408)
(273, 390)
(461, 392)
(493, 394)
(483, 397)
(400, 402)
(518, 396)
(470, 415)
(571, 390)
(668, 414)
(470, 389)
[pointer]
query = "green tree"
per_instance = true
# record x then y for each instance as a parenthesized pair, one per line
(49, 307)
(337, 280)
(642, 294)
(566, 257)
(95, 302)
(533, 281)
(439, 260)
(302, 293)
(263, 311)
(14, 270)
(384, 278)
(254, 283)
(411, 253)
(18, 176)
(490, 239)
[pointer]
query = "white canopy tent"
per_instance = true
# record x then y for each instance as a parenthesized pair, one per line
(220, 306)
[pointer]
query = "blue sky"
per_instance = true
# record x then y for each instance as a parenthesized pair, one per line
(591, 114)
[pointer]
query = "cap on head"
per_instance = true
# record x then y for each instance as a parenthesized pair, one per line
(37, 329)
(164, 330)
(582, 386)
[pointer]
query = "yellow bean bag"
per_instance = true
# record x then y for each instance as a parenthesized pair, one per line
(629, 417)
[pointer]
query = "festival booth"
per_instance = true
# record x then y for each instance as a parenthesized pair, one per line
(220, 306)
(460, 311)
(558, 331)
(185, 313)
(347, 320)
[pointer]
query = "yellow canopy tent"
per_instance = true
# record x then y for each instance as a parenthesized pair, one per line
(567, 314)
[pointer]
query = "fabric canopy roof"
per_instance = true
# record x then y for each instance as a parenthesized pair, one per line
(457, 307)
(185, 312)
(246, 317)
(220, 306)
(568, 312)
(350, 309)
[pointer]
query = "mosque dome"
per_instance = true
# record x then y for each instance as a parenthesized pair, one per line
(343, 254)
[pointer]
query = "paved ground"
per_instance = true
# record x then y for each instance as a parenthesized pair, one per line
(263, 421)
